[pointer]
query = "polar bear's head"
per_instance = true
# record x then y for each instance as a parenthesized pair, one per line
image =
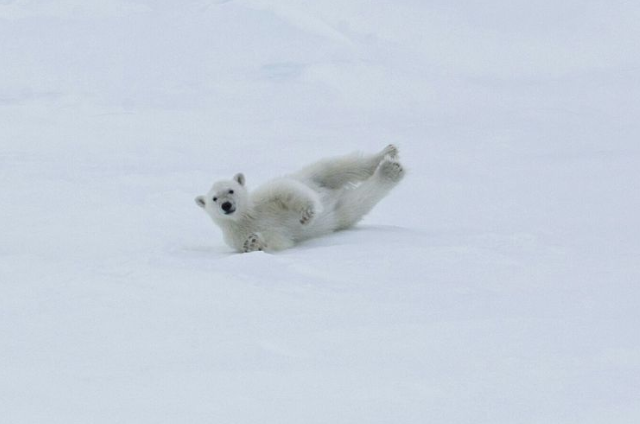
(226, 200)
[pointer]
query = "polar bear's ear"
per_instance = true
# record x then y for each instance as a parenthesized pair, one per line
(200, 201)
(239, 178)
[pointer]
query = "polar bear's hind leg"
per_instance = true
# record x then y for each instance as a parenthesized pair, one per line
(336, 173)
(355, 203)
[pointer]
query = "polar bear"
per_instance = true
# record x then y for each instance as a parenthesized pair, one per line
(327, 196)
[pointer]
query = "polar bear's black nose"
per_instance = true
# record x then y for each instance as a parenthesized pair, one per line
(226, 206)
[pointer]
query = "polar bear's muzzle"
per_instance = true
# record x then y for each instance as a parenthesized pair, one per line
(228, 208)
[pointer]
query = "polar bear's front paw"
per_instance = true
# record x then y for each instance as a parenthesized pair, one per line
(391, 170)
(307, 215)
(252, 244)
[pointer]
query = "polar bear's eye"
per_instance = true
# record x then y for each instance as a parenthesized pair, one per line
(215, 199)
(230, 191)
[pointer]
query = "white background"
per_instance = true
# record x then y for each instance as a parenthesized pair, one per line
(497, 284)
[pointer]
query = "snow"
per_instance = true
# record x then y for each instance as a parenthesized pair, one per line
(497, 284)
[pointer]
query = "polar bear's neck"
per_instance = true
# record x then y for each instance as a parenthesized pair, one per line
(236, 231)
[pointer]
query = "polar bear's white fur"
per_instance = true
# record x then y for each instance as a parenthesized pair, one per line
(327, 196)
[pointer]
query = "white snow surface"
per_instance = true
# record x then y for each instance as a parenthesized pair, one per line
(499, 283)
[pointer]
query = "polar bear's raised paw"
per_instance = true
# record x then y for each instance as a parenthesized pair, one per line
(391, 170)
(391, 151)
(307, 215)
